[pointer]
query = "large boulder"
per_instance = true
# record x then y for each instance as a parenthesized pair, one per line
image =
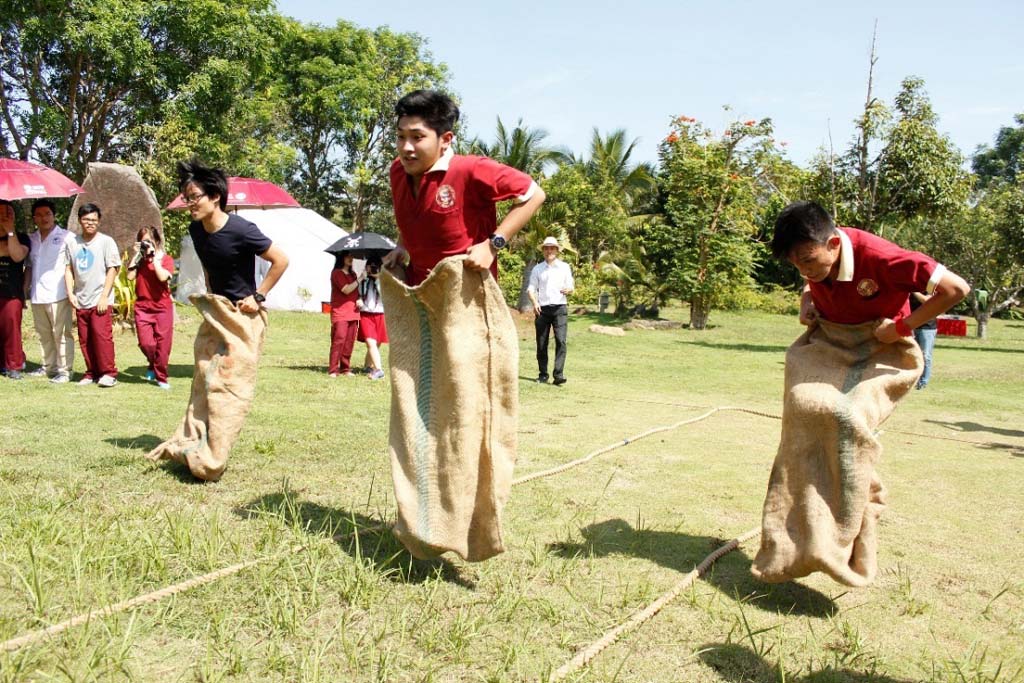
(124, 198)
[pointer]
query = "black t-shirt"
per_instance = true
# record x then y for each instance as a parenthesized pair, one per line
(228, 255)
(12, 274)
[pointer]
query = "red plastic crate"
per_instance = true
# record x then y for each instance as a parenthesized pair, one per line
(952, 325)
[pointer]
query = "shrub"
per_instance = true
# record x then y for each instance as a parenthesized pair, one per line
(774, 299)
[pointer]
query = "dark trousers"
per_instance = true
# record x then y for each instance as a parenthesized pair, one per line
(13, 353)
(96, 339)
(558, 318)
(343, 338)
(155, 329)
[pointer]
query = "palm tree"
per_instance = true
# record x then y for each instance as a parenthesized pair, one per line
(610, 161)
(523, 148)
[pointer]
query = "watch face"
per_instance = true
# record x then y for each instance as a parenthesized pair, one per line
(498, 241)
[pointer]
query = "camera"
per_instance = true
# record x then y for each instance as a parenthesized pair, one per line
(146, 247)
(373, 268)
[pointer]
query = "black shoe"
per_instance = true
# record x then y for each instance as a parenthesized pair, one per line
(542, 379)
(559, 381)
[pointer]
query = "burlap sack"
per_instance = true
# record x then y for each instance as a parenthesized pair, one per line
(454, 406)
(824, 496)
(227, 352)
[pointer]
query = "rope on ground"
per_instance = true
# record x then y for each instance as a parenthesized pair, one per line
(601, 451)
(195, 582)
(158, 595)
(595, 648)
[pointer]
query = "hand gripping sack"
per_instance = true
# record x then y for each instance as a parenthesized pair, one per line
(227, 353)
(824, 496)
(454, 406)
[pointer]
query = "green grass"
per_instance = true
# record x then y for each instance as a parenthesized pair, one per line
(86, 521)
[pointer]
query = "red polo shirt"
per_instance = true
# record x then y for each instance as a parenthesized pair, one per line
(874, 280)
(454, 208)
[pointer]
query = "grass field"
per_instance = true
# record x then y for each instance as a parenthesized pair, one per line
(85, 521)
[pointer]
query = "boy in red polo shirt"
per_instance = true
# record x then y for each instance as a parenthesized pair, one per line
(444, 203)
(844, 376)
(854, 276)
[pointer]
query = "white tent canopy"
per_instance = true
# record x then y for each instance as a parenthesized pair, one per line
(303, 234)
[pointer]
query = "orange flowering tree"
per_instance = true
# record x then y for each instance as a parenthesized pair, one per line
(710, 183)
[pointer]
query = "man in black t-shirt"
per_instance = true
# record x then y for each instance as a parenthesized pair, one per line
(14, 249)
(226, 243)
(230, 339)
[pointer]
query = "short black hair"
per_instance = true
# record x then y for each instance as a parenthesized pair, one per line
(437, 110)
(212, 181)
(44, 202)
(86, 209)
(798, 223)
(6, 202)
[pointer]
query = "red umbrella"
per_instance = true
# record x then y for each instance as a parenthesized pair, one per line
(26, 180)
(248, 193)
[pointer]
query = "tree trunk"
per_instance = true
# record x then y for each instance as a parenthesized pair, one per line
(982, 318)
(525, 306)
(699, 311)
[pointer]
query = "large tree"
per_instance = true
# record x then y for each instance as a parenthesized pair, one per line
(340, 85)
(710, 187)
(1004, 160)
(91, 80)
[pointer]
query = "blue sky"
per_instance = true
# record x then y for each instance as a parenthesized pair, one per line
(568, 66)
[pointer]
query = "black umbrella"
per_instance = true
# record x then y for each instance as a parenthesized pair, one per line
(363, 245)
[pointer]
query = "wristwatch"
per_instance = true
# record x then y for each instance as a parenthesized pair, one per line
(498, 242)
(259, 297)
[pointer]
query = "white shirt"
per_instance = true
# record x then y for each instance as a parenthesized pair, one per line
(48, 264)
(548, 281)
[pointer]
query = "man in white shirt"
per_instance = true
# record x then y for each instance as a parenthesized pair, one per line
(550, 282)
(51, 310)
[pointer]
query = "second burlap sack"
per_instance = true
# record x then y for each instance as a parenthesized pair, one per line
(454, 407)
(227, 353)
(824, 496)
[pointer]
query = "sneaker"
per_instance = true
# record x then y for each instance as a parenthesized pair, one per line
(559, 381)
(542, 379)
(163, 385)
(38, 372)
(107, 381)
(84, 381)
(13, 374)
(332, 375)
(60, 379)
(150, 376)
(347, 373)
(377, 374)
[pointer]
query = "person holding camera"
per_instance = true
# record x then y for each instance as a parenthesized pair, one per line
(344, 314)
(372, 330)
(14, 250)
(151, 270)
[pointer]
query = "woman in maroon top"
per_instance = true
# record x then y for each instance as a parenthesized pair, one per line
(152, 269)
(344, 314)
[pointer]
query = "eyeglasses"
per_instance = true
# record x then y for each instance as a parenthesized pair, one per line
(192, 199)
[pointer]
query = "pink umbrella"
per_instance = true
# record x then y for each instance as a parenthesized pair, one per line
(248, 193)
(26, 180)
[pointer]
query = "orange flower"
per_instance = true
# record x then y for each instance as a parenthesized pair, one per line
(733, 176)
(749, 123)
(672, 138)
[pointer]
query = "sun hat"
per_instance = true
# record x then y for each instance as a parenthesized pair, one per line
(550, 242)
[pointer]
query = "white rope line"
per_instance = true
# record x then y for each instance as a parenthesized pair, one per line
(586, 655)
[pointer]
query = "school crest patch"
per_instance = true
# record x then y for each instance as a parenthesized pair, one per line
(867, 288)
(445, 197)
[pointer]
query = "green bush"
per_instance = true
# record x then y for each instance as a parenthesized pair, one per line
(774, 299)
(588, 287)
(510, 275)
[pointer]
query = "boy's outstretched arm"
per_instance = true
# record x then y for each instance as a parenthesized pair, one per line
(948, 292)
